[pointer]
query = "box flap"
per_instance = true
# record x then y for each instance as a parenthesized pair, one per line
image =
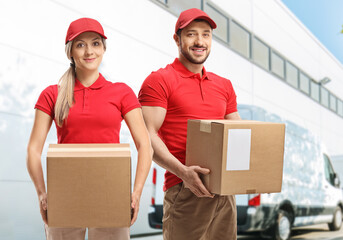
(88, 150)
(205, 125)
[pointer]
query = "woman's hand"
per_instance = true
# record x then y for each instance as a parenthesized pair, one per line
(135, 197)
(43, 206)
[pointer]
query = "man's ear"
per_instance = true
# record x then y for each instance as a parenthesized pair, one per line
(176, 39)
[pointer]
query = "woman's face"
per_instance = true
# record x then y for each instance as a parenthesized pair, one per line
(87, 51)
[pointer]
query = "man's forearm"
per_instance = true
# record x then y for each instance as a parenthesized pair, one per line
(164, 158)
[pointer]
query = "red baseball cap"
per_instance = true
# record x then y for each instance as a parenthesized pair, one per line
(187, 16)
(82, 25)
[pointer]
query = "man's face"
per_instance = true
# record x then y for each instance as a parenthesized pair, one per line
(195, 42)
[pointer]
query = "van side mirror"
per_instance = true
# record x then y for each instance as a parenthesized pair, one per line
(337, 182)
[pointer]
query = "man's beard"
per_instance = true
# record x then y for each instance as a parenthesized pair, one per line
(192, 59)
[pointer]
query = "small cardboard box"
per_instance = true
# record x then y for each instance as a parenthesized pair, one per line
(89, 185)
(244, 157)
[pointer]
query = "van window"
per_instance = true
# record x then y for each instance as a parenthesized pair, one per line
(329, 172)
(245, 114)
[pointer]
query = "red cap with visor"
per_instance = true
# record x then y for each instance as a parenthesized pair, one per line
(84, 25)
(187, 16)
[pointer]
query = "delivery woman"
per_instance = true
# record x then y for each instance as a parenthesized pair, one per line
(87, 109)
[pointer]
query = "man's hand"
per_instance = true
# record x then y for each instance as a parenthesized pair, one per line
(192, 181)
(154, 118)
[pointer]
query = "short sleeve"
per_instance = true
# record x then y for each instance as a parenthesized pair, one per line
(231, 105)
(154, 91)
(129, 100)
(47, 99)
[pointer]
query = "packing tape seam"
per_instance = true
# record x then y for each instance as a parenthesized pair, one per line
(205, 126)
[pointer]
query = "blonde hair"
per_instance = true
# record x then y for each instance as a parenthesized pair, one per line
(65, 97)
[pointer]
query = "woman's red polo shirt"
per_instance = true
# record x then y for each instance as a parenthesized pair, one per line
(96, 114)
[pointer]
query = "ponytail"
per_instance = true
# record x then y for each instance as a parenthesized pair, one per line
(65, 98)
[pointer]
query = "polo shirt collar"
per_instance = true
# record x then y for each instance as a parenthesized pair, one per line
(184, 72)
(99, 83)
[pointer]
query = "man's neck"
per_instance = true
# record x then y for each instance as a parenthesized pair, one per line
(192, 67)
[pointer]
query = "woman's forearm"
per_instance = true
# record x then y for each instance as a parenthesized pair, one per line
(34, 167)
(143, 166)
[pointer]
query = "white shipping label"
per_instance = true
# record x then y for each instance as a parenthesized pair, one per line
(238, 149)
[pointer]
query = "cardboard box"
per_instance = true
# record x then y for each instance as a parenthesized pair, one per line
(89, 185)
(244, 157)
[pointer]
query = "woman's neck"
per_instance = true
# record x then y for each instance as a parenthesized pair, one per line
(87, 78)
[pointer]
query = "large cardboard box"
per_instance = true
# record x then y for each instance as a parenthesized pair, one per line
(244, 157)
(89, 185)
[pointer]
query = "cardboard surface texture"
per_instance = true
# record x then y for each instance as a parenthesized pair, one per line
(244, 157)
(89, 185)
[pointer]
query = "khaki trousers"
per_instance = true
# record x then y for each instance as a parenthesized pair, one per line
(93, 233)
(187, 217)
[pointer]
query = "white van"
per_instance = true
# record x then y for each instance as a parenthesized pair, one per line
(310, 191)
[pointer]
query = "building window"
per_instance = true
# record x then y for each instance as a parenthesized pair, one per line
(222, 22)
(292, 74)
(340, 107)
(240, 39)
(333, 103)
(315, 91)
(278, 65)
(260, 53)
(304, 83)
(177, 6)
(324, 97)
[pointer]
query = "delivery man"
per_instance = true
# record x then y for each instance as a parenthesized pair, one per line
(169, 97)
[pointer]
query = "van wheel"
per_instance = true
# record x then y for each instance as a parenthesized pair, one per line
(282, 228)
(337, 220)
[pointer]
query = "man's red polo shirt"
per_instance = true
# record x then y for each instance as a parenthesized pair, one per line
(185, 95)
(96, 114)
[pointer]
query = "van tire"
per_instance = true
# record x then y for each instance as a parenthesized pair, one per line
(337, 220)
(282, 227)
